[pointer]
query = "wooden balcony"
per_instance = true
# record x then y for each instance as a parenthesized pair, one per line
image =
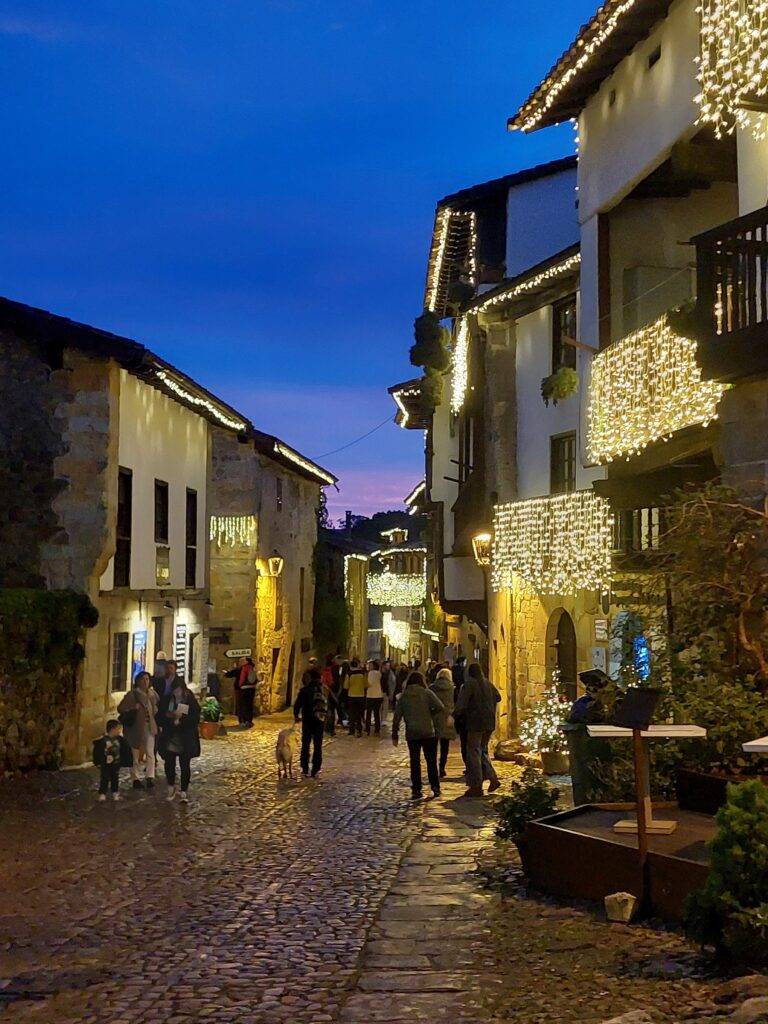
(732, 298)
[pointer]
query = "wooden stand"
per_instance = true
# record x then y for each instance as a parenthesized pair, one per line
(645, 824)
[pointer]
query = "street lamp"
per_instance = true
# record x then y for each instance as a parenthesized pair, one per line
(275, 563)
(481, 545)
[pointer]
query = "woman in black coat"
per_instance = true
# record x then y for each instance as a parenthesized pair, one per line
(179, 720)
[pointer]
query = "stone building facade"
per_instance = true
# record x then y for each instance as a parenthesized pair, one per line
(264, 502)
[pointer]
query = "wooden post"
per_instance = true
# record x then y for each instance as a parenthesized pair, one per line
(642, 793)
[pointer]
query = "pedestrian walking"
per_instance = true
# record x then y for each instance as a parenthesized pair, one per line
(459, 673)
(110, 754)
(179, 719)
(387, 688)
(418, 707)
(158, 673)
(138, 717)
(401, 678)
(327, 679)
(442, 687)
(312, 706)
(340, 672)
(163, 684)
(355, 687)
(374, 697)
(477, 702)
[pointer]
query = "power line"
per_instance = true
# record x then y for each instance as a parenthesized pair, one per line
(356, 441)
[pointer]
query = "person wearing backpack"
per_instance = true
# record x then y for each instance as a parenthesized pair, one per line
(311, 706)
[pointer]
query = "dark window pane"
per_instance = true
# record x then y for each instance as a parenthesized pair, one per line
(563, 326)
(161, 512)
(191, 568)
(119, 662)
(191, 517)
(562, 464)
(122, 564)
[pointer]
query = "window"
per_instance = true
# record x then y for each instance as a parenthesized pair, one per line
(654, 57)
(302, 574)
(124, 525)
(563, 327)
(191, 563)
(278, 494)
(562, 464)
(161, 512)
(638, 529)
(119, 662)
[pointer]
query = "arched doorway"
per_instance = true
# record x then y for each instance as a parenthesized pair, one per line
(561, 650)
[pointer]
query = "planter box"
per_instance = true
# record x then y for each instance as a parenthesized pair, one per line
(706, 792)
(576, 854)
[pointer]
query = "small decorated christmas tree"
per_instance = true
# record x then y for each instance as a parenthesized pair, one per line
(540, 731)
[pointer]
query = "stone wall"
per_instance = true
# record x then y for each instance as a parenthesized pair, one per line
(30, 441)
(742, 448)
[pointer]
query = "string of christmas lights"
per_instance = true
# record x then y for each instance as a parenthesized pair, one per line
(204, 403)
(644, 388)
(460, 369)
(396, 631)
(232, 530)
(531, 283)
(347, 558)
(397, 590)
(559, 544)
(540, 731)
(733, 64)
(299, 460)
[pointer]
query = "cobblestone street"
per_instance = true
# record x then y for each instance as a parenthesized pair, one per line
(337, 900)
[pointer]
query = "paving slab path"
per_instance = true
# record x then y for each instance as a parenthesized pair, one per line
(339, 900)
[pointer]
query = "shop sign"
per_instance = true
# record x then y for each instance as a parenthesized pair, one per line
(180, 649)
(601, 630)
(238, 652)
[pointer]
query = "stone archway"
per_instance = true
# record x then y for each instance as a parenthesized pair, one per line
(562, 653)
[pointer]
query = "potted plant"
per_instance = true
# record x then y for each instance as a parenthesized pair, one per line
(559, 385)
(541, 733)
(531, 797)
(731, 911)
(210, 718)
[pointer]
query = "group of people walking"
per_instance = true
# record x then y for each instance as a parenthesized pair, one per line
(158, 717)
(436, 708)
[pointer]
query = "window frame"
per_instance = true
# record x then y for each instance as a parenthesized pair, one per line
(121, 565)
(564, 444)
(191, 538)
(119, 649)
(162, 488)
(559, 348)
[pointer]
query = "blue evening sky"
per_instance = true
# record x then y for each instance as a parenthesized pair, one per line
(249, 187)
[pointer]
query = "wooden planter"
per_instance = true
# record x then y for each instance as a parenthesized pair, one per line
(209, 730)
(706, 792)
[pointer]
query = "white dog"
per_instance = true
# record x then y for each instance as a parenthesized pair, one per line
(285, 751)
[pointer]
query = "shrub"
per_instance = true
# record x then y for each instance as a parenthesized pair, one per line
(731, 911)
(531, 798)
(210, 710)
(431, 349)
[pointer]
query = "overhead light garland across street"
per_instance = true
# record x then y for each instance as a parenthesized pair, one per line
(559, 544)
(733, 65)
(644, 388)
(396, 590)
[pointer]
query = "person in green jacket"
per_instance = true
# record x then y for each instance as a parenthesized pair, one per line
(419, 708)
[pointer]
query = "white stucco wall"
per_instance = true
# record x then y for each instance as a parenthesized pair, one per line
(159, 439)
(445, 447)
(753, 171)
(621, 144)
(541, 220)
(537, 423)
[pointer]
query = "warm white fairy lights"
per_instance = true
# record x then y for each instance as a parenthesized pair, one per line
(396, 590)
(644, 388)
(442, 227)
(305, 464)
(559, 544)
(602, 27)
(347, 559)
(397, 632)
(411, 499)
(197, 400)
(460, 369)
(733, 64)
(227, 531)
(531, 283)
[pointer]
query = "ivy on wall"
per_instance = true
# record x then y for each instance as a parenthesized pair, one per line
(41, 649)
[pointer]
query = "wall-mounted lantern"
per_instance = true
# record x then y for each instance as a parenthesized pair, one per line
(275, 563)
(481, 545)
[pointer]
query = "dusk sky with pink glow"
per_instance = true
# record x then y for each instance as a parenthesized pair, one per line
(249, 189)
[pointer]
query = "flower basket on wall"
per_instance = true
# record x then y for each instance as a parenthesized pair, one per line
(559, 385)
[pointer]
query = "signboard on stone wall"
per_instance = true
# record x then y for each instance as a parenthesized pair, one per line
(180, 649)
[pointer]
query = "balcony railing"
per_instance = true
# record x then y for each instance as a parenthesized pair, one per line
(732, 288)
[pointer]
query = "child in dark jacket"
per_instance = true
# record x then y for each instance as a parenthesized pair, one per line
(109, 757)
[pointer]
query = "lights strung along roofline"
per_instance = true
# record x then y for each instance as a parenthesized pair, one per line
(200, 402)
(460, 368)
(347, 559)
(587, 45)
(398, 551)
(415, 494)
(529, 284)
(306, 464)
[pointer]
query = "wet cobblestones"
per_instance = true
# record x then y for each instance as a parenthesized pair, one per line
(312, 903)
